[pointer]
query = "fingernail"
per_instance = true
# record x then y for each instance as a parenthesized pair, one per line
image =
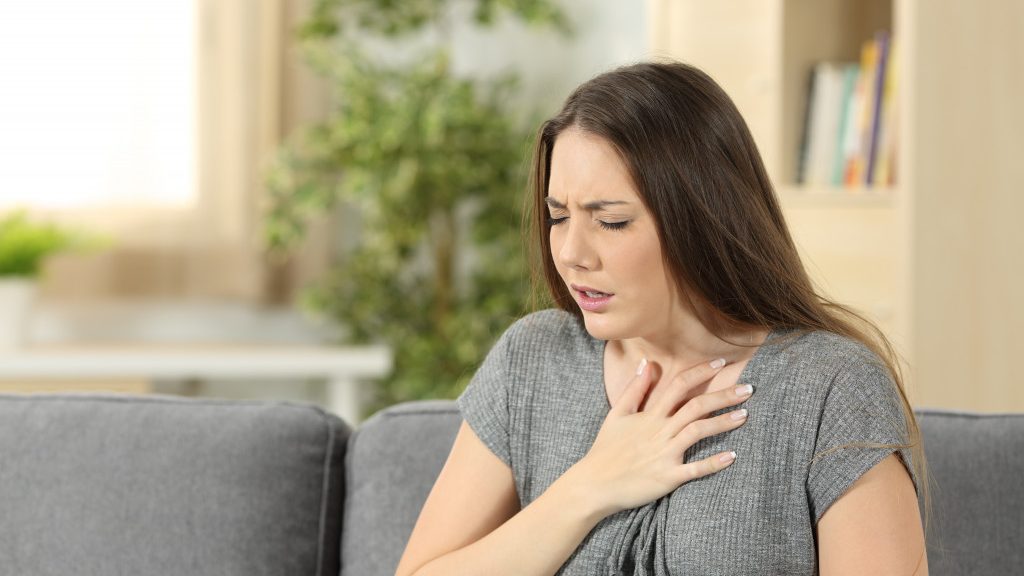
(640, 368)
(718, 363)
(726, 458)
(739, 414)
(745, 390)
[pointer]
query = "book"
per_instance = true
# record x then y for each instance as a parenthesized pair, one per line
(878, 87)
(885, 172)
(805, 132)
(848, 110)
(850, 125)
(824, 117)
(856, 168)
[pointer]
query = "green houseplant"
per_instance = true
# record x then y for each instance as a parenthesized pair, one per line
(435, 167)
(24, 245)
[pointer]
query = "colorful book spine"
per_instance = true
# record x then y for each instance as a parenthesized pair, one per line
(805, 135)
(856, 168)
(882, 57)
(825, 120)
(848, 115)
(850, 130)
(885, 174)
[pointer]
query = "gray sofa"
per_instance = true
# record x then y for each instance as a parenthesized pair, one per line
(107, 485)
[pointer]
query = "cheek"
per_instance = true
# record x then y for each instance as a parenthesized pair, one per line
(641, 265)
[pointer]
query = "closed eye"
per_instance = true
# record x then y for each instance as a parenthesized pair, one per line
(552, 221)
(613, 225)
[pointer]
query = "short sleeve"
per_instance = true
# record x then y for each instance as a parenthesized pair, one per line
(863, 406)
(484, 403)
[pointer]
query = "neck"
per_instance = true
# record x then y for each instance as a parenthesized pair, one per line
(690, 344)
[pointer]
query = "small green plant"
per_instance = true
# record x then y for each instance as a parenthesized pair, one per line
(25, 244)
(435, 166)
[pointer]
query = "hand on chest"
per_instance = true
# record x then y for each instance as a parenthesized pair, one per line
(674, 383)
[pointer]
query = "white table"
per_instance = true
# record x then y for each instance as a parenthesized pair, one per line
(340, 368)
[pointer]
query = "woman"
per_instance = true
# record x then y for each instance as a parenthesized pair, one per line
(692, 406)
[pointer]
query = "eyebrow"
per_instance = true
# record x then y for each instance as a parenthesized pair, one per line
(595, 205)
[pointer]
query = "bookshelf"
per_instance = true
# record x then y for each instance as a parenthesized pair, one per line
(936, 258)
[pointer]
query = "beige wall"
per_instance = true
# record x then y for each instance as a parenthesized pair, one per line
(969, 170)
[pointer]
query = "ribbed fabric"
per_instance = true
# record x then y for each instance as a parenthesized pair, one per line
(539, 400)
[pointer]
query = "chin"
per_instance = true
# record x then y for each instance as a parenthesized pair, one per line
(601, 326)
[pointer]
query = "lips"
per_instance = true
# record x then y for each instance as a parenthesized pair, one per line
(590, 292)
(591, 299)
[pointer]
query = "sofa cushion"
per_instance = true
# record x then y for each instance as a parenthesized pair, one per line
(393, 460)
(113, 484)
(977, 518)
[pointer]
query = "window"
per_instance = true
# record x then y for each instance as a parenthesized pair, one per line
(98, 105)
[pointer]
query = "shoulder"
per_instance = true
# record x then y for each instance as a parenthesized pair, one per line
(543, 336)
(823, 347)
(546, 332)
(833, 364)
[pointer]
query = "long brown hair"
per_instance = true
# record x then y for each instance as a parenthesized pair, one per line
(722, 231)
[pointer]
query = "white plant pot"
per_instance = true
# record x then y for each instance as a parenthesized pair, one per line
(16, 298)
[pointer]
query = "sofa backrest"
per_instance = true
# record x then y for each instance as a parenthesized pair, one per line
(114, 484)
(976, 524)
(393, 459)
(97, 485)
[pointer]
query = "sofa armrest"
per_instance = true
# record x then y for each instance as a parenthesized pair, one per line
(977, 517)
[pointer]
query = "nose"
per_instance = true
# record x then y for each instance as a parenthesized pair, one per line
(575, 250)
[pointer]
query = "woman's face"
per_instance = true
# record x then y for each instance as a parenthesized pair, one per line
(604, 242)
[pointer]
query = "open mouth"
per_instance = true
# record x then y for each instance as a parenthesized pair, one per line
(591, 299)
(590, 292)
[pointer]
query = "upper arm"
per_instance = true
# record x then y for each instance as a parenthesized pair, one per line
(874, 527)
(474, 494)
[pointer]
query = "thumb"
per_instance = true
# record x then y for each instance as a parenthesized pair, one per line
(638, 387)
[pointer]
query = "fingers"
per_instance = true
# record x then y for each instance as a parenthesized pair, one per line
(700, 406)
(706, 427)
(690, 426)
(682, 383)
(693, 470)
(636, 390)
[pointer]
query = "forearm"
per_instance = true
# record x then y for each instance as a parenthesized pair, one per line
(536, 541)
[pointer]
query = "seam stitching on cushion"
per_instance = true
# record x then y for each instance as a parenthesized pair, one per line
(322, 536)
(150, 399)
(349, 480)
(421, 412)
(969, 415)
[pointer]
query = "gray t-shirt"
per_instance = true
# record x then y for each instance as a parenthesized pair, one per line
(539, 400)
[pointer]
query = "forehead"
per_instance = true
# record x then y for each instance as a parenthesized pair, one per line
(586, 167)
